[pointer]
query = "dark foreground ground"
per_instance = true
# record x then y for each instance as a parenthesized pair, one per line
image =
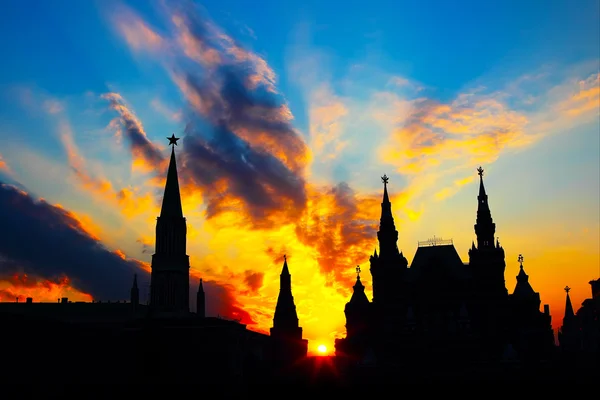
(52, 355)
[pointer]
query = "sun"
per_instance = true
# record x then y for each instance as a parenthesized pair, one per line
(322, 349)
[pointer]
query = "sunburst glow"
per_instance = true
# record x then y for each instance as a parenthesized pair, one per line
(322, 349)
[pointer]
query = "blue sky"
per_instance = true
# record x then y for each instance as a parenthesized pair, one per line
(424, 91)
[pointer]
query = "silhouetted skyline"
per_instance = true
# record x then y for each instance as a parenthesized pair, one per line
(287, 118)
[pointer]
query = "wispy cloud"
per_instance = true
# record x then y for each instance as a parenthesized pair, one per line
(146, 155)
(160, 107)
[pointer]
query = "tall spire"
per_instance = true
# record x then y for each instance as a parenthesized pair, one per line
(387, 234)
(485, 228)
(285, 317)
(171, 205)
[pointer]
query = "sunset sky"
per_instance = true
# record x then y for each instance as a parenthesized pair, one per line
(289, 113)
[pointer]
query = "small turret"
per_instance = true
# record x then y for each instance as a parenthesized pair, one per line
(200, 301)
(569, 313)
(135, 293)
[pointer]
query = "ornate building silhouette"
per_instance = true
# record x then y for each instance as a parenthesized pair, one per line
(440, 308)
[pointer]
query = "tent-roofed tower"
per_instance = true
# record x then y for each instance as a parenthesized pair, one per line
(286, 334)
(170, 279)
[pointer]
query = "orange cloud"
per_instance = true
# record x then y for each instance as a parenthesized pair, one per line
(130, 200)
(40, 290)
(584, 98)
(341, 227)
(3, 165)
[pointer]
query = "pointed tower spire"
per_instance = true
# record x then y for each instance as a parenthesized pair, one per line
(485, 228)
(569, 313)
(171, 205)
(285, 317)
(200, 301)
(387, 234)
(170, 279)
(286, 334)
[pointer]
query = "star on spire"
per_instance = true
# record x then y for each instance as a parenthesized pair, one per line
(480, 171)
(173, 140)
(521, 260)
(385, 179)
(567, 289)
(358, 271)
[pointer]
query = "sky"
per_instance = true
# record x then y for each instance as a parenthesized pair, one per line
(289, 114)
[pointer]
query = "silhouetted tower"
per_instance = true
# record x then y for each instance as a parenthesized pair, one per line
(532, 329)
(487, 264)
(170, 280)
(357, 310)
(135, 293)
(388, 265)
(286, 318)
(200, 301)
(524, 293)
(286, 333)
(487, 259)
(569, 335)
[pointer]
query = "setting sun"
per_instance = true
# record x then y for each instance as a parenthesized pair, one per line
(322, 349)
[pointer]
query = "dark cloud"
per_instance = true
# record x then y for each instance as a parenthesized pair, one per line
(49, 241)
(239, 130)
(220, 301)
(50, 245)
(265, 187)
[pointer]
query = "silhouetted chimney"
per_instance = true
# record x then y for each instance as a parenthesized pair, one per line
(595, 288)
(64, 300)
(546, 309)
(29, 300)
